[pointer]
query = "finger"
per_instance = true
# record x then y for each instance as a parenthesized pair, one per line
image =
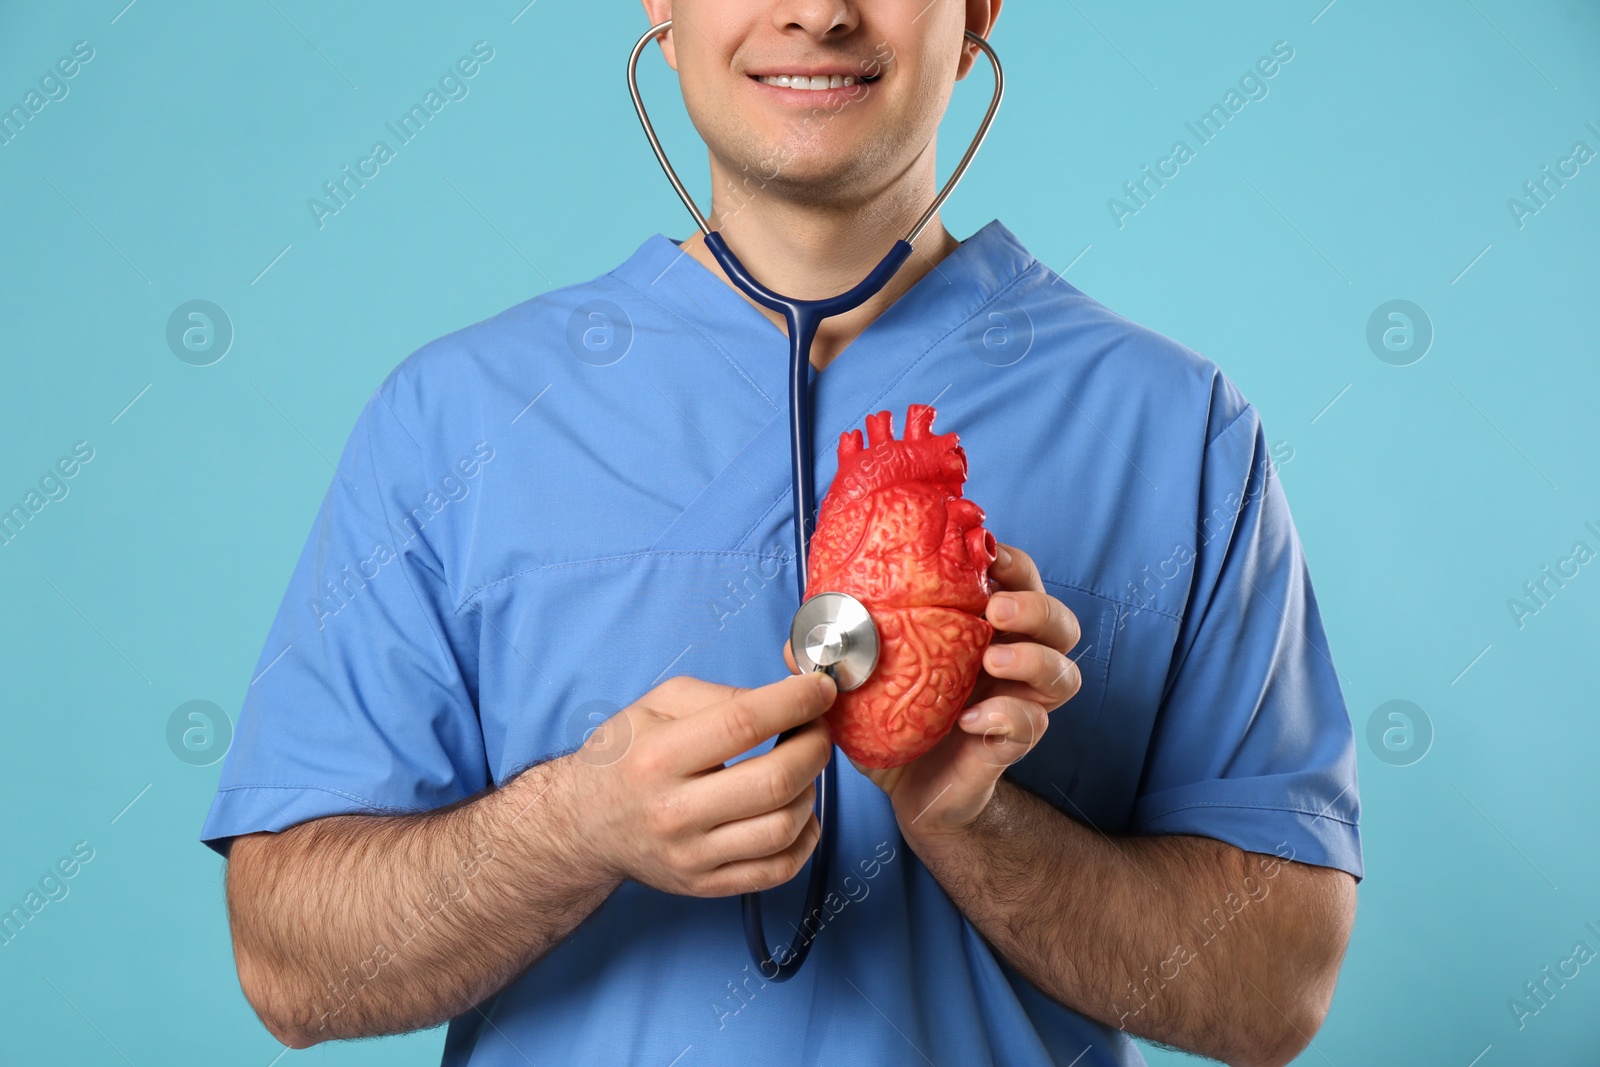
(788, 658)
(1008, 727)
(683, 695)
(1020, 691)
(1038, 616)
(760, 835)
(744, 875)
(761, 783)
(1015, 569)
(1050, 674)
(720, 732)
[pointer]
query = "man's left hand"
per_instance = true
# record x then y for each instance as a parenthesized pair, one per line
(1026, 675)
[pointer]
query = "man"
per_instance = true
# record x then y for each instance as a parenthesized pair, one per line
(465, 792)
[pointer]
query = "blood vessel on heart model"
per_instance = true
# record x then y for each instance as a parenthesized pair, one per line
(895, 532)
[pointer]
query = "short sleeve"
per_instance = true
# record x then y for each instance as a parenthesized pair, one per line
(362, 700)
(1252, 743)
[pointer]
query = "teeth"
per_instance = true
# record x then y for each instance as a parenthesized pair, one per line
(813, 82)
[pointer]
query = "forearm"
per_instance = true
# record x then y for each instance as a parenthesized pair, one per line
(353, 926)
(1182, 940)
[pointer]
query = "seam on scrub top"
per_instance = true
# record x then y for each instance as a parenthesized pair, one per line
(713, 342)
(1246, 807)
(1247, 409)
(963, 323)
(887, 389)
(1109, 599)
(960, 325)
(319, 789)
(447, 660)
(597, 560)
(662, 552)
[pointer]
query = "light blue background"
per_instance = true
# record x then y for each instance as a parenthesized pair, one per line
(1378, 168)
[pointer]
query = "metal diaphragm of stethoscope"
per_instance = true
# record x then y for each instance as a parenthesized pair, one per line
(831, 631)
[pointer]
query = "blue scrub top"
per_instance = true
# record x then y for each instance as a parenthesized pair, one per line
(541, 516)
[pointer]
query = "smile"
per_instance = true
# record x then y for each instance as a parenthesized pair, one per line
(813, 82)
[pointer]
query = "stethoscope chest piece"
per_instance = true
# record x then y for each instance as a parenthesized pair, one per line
(833, 632)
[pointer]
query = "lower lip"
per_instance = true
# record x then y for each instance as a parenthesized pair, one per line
(816, 97)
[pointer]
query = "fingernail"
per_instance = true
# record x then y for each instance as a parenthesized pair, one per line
(1005, 608)
(1002, 556)
(1000, 655)
(969, 716)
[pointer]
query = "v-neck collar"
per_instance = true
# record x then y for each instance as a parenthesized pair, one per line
(852, 386)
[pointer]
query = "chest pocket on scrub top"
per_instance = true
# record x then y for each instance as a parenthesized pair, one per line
(1051, 769)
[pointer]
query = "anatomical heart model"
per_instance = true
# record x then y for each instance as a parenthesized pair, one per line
(895, 532)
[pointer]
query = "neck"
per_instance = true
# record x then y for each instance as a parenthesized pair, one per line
(813, 251)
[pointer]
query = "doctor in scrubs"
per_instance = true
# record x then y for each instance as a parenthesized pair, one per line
(510, 758)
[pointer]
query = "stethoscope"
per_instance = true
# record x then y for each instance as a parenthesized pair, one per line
(830, 632)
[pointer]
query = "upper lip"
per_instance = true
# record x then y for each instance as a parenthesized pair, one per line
(814, 70)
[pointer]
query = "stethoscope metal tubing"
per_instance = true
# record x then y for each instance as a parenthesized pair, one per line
(803, 318)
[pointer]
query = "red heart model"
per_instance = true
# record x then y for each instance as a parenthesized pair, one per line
(895, 532)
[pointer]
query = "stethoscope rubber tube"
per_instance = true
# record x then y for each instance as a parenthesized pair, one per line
(803, 317)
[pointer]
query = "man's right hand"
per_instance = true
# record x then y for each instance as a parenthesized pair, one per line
(666, 812)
